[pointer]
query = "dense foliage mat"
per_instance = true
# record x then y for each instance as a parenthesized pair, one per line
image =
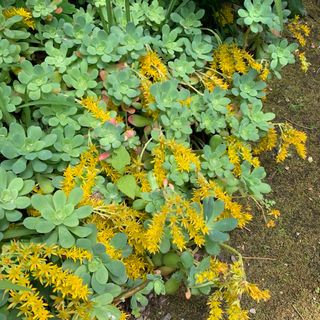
(130, 140)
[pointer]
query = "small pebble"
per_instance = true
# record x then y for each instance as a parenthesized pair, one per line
(253, 311)
(167, 317)
(310, 159)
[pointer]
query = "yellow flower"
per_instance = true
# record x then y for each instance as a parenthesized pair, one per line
(299, 30)
(216, 268)
(255, 293)
(185, 158)
(152, 67)
(291, 136)
(177, 236)
(275, 213)
(271, 224)
(26, 15)
(155, 232)
(215, 309)
(232, 209)
(92, 105)
(236, 313)
(136, 266)
(304, 62)
(211, 80)
(158, 161)
(267, 143)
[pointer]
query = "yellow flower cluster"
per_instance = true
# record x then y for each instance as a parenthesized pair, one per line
(216, 269)
(232, 285)
(155, 231)
(291, 136)
(182, 216)
(152, 67)
(267, 143)
(92, 105)
(304, 62)
(147, 98)
(186, 160)
(136, 168)
(159, 155)
(225, 15)
(212, 80)
(26, 15)
(299, 30)
(275, 214)
(255, 293)
(83, 174)
(228, 59)
(232, 209)
(135, 263)
(25, 263)
(30, 304)
(238, 152)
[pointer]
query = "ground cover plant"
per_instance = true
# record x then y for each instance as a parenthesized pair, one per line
(130, 145)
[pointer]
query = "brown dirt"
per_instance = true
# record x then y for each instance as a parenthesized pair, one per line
(293, 277)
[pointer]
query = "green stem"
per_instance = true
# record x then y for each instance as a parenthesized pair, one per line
(103, 17)
(127, 7)
(144, 148)
(232, 250)
(109, 13)
(170, 9)
(27, 116)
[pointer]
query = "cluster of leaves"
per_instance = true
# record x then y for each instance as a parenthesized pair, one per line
(127, 130)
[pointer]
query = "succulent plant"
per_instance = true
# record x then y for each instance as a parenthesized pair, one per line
(170, 42)
(122, 86)
(281, 54)
(27, 152)
(177, 123)
(199, 49)
(81, 79)
(77, 30)
(13, 191)
(188, 19)
(248, 87)
(252, 180)
(132, 41)
(36, 81)
(98, 48)
(9, 53)
(109, 135)
(58, 116)
(8, 103)
(59, 217)
(167, 95)
(42, 8)
(58, 57)
(216, 162)
(54, 31)
(68, 145)
(182, 67)
(258, 13)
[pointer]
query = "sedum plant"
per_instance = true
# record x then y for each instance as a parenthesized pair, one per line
(122, 86)
(36, 81)
(13, 197)
(128, 131)
(59, 218)
(26, 152)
